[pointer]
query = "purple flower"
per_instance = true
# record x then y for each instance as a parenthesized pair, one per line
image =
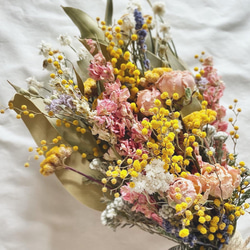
(61, 102)
(142, 33)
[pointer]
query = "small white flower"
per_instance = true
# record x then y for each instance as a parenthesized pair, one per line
(111, 213)
(210, 149)
(210, 130)
(82, 53)
(165, 28)
(118, 203)
(64, 40)
(82, 106)
(56, 82)
(66, 72)
(221, 136)
(104, 218)
(95, 163)
(44, 48)
(159, 8)
(155, 179)
(134, 4)
(128, 23)
(31, 81)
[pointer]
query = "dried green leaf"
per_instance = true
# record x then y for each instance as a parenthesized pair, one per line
(86, 25)
(79, 81)
(155, 61)
(193, 106)
(109, 12)
(175, 63)
(90, 194)
(150, 43)
(83, 69)
(19, 90)
(42, 127)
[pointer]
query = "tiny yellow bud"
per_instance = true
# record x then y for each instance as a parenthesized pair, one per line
(26, 164)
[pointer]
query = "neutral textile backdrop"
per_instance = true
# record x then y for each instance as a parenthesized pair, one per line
(37, 213)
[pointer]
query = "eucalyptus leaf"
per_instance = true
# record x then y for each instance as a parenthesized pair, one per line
(19, 90)
(79, 81)
(155, 61)
(188, 94)
(150, 42)
(42, 127)
(193, 106)
(83, 69)
(175, 63)
(109, 12)
(86, 25)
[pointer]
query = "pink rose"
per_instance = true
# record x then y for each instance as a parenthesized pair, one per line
(196, 182)
(176, 82)
(235, 173)
(221, 181)
(187, 189)
(146, 98)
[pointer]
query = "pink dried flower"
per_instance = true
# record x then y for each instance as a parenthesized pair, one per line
(92, 44)
(146, 98)
(176, 82)
(221, 181)
(99, 69)
(187, 189)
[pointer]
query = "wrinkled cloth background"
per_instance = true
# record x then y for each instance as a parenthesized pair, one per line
(37, 213)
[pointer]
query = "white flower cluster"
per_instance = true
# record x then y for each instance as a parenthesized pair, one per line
(109, 214)
(82, 53)
(134, 4)
(154, 180)
(159, 8)
(221, 136)
(44, 48)
(166, 212)
(31, 81)
(64, 40)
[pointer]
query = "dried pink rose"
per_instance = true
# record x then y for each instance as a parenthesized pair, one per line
(187, 189)
(235, 173)
(146, 98)
(176, 82)
(221, 181)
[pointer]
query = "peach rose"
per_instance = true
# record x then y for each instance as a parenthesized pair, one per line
(146, 98)
(221, 181)
(235, 173)
(176, 82)
(187, 189)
